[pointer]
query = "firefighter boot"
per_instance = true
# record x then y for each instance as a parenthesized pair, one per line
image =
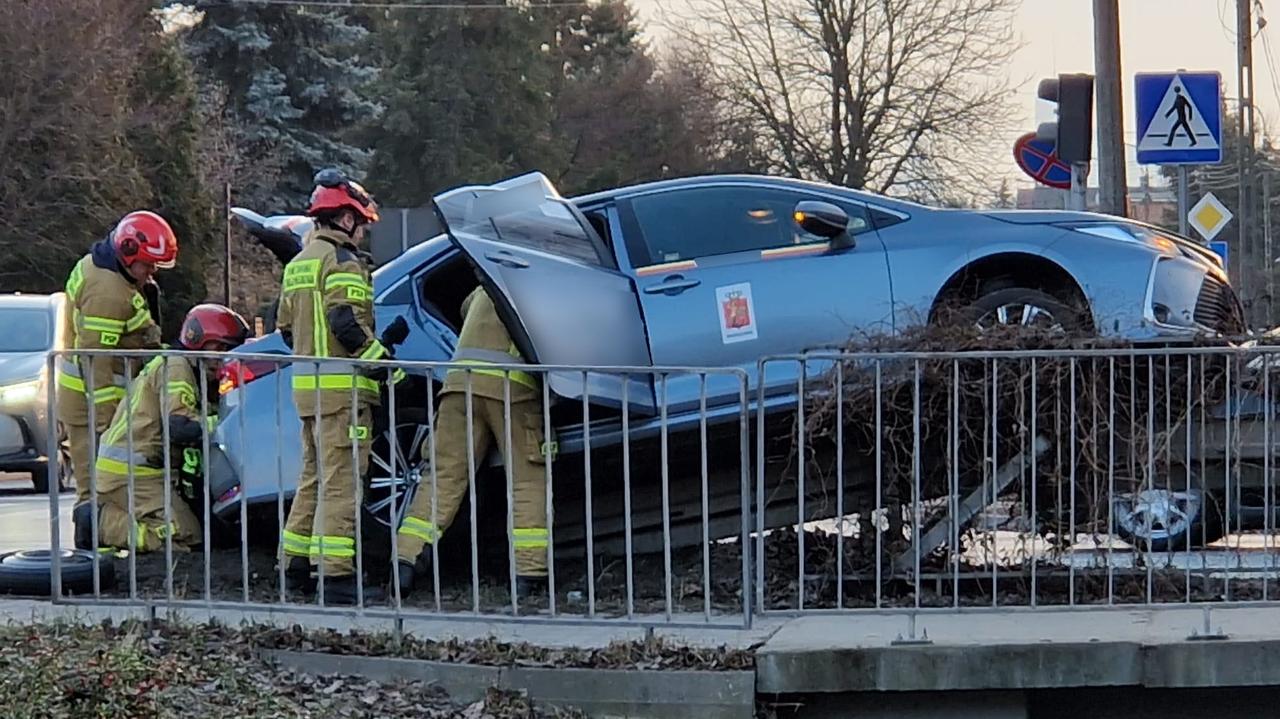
(297, 576)
(342, 591)
(528, 587)
(410, 572)
(82, 518)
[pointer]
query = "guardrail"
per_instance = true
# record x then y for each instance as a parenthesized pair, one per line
(647, 495)
(891, 482)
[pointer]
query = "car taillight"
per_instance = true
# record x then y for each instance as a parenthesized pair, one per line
(235, 371)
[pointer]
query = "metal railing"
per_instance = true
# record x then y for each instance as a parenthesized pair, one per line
(647, 494)
(891, 482)
(1125, 477)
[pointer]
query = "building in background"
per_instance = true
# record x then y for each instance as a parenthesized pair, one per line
(1154, 204)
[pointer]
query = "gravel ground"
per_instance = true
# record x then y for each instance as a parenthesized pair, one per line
(129, 670)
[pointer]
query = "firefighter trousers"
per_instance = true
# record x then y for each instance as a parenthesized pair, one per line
(322, 520)
(79, 439)
(148, 524)
(424, 524)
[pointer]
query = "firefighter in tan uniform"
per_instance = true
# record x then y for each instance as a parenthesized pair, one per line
(484, 341)
(167, 392)
(106, 309)
(326, 311)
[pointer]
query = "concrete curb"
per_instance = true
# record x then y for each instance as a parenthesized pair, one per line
(598, 692)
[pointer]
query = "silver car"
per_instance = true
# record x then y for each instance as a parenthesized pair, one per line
(30, 327)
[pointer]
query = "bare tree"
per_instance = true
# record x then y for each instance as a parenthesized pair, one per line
(895, 96)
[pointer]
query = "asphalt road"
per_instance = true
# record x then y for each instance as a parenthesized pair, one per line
(24, 515)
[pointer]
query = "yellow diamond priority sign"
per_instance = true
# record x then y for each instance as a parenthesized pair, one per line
(1209, 216)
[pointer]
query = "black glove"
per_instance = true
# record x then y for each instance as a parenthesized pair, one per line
(395, 333)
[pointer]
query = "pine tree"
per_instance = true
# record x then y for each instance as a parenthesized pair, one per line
(165, 143)
(295, 78)
(468, 96)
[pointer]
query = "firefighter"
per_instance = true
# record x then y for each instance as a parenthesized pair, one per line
(484, 341)
(166, 392)
(112, 303)
(326, 311)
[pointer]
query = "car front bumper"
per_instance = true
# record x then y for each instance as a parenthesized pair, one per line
(23, 447)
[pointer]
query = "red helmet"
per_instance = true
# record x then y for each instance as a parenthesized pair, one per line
(209, 323)
(145, 236)
(334, 192)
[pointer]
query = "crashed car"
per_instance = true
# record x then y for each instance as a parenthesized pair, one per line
(716, 272)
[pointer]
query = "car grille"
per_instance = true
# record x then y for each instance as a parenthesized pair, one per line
(1217, 307)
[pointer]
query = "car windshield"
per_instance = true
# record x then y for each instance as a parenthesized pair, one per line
(25, 330)
(526, 211)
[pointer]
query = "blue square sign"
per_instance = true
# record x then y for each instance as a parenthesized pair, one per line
(1179, 118)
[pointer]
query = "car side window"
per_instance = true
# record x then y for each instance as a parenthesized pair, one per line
(707, 221)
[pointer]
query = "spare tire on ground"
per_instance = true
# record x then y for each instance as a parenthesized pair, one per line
(30, 572)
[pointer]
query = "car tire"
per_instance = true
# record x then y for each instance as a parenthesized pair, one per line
(1142, 520)
(29, 572)
(1025, 307)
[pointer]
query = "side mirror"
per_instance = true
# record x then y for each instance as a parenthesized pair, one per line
(824, 220)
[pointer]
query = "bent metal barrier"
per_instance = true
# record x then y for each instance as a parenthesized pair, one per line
(890, 482)
(647, 496)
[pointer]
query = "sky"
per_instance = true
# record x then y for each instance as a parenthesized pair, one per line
(1155, 36)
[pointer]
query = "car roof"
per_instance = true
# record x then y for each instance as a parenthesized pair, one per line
(22, 301)
(784, 182)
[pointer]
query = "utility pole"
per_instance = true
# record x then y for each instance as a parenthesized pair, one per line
(1268, 263)
(1112, 185)
(1244, 161)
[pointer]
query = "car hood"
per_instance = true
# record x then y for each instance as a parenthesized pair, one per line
(19, 366)
(1044, 217)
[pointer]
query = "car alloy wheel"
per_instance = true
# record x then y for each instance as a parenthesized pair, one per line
(1020, 314)
(396, 483)
(1158, 519)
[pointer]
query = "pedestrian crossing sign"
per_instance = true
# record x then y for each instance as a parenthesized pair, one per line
(1179, 118)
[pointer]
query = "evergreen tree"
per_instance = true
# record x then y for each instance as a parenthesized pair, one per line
(165, 142)
(295, 77)
(468, 95)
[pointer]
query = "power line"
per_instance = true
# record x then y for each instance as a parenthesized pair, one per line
(373, 4)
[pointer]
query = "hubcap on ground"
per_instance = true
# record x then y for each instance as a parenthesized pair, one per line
(1157, 514)
(404, 475)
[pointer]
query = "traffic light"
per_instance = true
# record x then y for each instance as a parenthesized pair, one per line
(1073, 132)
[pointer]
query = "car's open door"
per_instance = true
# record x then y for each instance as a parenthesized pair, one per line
(555, 284)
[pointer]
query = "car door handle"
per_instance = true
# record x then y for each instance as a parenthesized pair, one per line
(506, 259)
(672, 285)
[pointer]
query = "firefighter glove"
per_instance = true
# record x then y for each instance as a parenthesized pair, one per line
(395, 333)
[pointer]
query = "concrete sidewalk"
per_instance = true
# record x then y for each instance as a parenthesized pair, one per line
(464, 627)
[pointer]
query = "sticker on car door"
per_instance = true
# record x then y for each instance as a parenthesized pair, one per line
(737, 313)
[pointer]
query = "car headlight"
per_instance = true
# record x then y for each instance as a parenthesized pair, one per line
(20, 393)
(1128, 233)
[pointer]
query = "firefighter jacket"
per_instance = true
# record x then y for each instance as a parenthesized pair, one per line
(484, 341)
(326, 311)
(105, 310)
(136, 436)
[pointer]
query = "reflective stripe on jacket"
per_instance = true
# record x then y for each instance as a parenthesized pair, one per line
(153, 397)
(325, 280)
(484, 341)
(104, 311)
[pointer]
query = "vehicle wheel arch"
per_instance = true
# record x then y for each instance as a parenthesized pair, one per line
(1002, 270)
